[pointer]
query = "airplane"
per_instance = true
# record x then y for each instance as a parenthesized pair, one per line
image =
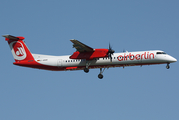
(84, 58)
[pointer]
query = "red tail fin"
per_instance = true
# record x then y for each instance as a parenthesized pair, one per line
(18, 48)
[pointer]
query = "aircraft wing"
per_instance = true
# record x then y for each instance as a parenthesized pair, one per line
(81, 47)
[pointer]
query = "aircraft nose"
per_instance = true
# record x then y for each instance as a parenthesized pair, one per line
(173, 59)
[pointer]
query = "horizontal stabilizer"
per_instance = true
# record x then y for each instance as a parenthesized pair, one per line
(10, 37)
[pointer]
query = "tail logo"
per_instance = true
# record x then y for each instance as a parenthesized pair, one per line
(18, 50)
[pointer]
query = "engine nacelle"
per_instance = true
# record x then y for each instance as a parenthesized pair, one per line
(97, 53)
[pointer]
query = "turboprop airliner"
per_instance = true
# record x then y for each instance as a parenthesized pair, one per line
(84, 58)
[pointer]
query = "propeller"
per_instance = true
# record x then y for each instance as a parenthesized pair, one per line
(110, 52)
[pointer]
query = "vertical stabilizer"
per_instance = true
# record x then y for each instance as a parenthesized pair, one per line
(18, 48)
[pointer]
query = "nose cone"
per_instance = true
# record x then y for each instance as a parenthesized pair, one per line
(172, 59)
(175, 60)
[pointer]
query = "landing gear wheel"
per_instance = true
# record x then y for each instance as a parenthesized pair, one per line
(168, 66)
(86, 70)
(100, 76)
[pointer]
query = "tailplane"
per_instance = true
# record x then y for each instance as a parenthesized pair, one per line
(18, 48)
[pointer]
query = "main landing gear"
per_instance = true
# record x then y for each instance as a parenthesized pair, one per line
(168, 66)
(86, 70)
(100, 76)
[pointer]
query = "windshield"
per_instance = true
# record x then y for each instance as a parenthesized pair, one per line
(161, 53)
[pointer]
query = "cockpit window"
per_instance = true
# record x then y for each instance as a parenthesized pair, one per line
(161, 53)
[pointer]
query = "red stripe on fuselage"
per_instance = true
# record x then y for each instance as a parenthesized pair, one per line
(34, 64)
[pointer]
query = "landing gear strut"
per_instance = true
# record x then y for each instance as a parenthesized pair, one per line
(168, 66)
(86, 70)
(100, 76)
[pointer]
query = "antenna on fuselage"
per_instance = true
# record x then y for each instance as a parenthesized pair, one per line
(125, 50)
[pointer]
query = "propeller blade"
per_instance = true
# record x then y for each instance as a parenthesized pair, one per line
(110, 52)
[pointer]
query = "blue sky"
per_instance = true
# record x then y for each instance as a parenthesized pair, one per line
(147, 92)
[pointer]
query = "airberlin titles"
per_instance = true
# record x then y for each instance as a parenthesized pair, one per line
(130, 56)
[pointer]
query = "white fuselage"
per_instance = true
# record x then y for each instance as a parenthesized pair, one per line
(84, 58)
(118, 60)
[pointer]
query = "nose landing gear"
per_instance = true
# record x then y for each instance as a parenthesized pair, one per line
(168, 66)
